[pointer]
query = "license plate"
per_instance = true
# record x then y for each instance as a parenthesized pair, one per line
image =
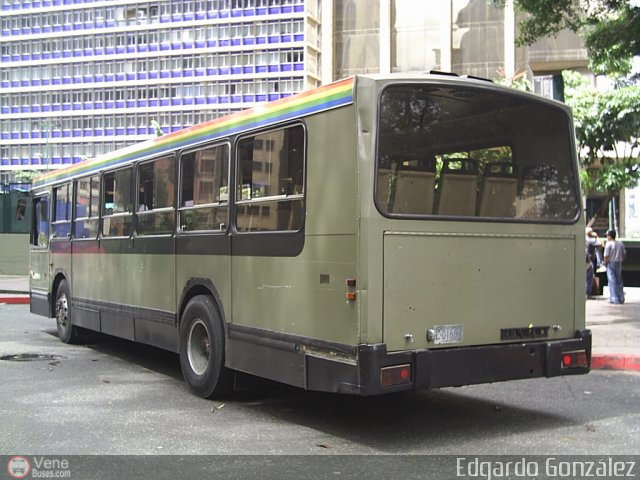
(444, 334)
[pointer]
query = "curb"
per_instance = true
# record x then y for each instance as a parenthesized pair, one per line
(615, 362)
(15, 299)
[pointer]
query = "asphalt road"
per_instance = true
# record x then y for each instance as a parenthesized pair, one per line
(117, 398)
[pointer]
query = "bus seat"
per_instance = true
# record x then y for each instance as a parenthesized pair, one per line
(498, 191)
(414, 190)
(458, 188)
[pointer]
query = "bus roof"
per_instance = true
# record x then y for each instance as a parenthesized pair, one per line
(311, 101)
(316, 100)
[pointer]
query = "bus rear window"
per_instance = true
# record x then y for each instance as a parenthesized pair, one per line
(463, 152)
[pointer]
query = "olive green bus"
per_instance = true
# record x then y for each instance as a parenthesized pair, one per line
(379, 234)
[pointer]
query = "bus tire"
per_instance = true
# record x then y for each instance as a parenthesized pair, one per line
(202, 349)
(62, 310)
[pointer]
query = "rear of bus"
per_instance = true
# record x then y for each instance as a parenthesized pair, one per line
(472, 248)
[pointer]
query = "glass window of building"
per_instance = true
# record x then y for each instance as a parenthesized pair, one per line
(357, 34)
(477, 38)
(415, 24)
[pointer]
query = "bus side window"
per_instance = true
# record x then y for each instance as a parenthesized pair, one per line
(117, 206)
(40, 231)
(86, 212)
(204, 193)
(62, 211)
(270, 189)
(155, 204)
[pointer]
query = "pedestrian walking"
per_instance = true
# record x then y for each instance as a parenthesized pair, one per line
(614, 253)
(590, 277)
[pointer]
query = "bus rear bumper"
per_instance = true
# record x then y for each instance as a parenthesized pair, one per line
(448, 367)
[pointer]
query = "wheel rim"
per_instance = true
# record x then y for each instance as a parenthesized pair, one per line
(62, 311)
(198, 347)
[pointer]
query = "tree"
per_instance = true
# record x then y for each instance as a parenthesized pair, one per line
(26, 176)
(608, 134)
(609, 28)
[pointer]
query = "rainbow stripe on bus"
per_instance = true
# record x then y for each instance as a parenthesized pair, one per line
(312, 101)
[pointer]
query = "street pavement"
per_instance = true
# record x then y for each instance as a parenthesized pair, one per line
(615, 328)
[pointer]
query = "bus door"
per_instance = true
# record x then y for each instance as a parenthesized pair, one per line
(39, 262)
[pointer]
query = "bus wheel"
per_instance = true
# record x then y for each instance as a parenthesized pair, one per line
(202, 349)
(66, 331)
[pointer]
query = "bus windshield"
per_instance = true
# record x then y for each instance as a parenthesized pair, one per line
(474, 152)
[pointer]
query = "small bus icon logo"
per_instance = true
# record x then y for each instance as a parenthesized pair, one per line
(18, 467)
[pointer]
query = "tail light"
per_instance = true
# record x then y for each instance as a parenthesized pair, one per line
(395, 375)
(351, 292)
(575, 359)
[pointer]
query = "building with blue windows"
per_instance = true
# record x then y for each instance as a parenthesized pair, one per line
(83, 77)
(79, 78)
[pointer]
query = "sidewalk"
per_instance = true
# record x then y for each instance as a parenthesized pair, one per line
(616, 331)
(14, 289)
(615, 328)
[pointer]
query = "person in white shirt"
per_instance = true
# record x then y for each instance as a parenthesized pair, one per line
(614, 253)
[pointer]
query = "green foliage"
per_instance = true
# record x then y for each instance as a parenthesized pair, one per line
(519, 81)
(607, 132)
(613, 39)
(543, 18)
(26, 176)
(608, 27)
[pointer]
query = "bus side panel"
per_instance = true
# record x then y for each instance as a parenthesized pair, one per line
(153, 289)
(84, 284)
(115, 287)
(305, 294)
(61, 261)
(434, 279)
(203, 262)
(136, 295)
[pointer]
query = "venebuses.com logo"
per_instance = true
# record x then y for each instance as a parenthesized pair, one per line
(20, 466)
